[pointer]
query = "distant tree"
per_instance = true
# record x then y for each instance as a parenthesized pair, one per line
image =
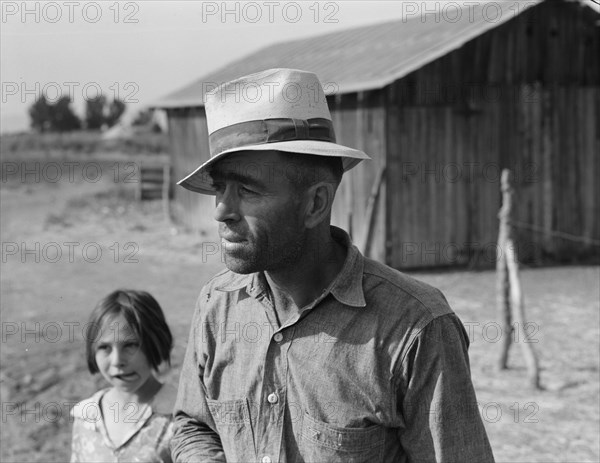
(39, 113)
(95, 109)
(62, 117)
(99, 112)
(115, 111)
(156, 128)
(143, 117)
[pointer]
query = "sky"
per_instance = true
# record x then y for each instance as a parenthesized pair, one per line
(140, 51)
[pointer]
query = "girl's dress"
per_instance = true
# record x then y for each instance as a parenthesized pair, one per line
(148, 442)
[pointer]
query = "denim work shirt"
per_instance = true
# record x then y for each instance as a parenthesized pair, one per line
(375, 370)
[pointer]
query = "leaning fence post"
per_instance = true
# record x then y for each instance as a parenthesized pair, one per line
(510, 294)
(502, 282)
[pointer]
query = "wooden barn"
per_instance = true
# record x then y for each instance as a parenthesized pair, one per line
(442, 103)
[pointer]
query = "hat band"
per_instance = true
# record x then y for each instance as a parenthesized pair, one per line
(270, 131)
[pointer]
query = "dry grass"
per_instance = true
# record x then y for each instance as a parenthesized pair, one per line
(81, 142)
(559, 424)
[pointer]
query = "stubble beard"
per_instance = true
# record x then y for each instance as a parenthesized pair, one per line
(259, 255)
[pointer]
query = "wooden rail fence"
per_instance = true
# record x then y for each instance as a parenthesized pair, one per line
(155, 183)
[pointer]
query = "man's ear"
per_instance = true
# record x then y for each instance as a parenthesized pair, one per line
(319, 202)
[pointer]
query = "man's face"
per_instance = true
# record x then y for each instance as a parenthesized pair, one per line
(259, 211)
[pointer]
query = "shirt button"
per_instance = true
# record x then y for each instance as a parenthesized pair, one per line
(272, 398)
(278, 337)
(266, 459)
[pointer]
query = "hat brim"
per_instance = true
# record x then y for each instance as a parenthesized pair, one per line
(199, 181)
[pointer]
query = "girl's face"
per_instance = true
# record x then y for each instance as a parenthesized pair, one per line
(120, 358)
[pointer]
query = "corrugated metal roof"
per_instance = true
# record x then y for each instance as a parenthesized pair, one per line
(363, 58)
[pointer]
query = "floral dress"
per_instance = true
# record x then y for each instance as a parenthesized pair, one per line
(148, 442)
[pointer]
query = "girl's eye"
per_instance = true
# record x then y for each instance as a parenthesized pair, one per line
(103, 348)
(131, 346)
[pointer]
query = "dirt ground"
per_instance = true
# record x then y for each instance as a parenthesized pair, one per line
(67, 244)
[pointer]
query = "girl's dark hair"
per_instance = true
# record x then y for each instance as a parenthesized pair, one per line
(145, 318)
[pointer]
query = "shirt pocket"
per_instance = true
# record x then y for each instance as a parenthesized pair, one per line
(322, 442)
(234, 425)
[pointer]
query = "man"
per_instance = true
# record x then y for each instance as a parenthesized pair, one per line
(304, 350)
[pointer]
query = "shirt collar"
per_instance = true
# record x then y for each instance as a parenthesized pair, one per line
(235, 281)
(252, 284)
(347, 287)
(88, 410)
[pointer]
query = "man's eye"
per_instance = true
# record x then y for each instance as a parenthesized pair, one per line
(246, 190)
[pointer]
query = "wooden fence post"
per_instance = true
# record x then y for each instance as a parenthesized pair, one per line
(371, 212)
(510, 294)
(166, 192)
(502, 282)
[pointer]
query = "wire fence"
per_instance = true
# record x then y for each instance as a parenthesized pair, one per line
(555, 233)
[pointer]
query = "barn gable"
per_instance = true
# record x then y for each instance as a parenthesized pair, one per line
(364, 58)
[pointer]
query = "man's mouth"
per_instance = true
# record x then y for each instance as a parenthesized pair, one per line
(232, 239)
(231, 236)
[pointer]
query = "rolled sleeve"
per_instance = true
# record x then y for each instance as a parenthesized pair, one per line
(436, 397)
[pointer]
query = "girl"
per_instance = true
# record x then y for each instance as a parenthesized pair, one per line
(127, 341)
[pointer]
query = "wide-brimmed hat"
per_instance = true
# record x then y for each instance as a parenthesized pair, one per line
(277, 109)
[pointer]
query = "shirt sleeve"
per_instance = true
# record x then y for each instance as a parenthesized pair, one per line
(436, 398)
(195, 437)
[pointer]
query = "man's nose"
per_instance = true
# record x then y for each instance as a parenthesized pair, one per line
(227, 206)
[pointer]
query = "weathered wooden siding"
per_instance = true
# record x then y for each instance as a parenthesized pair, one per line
(443, 193)
(359, 122)
(189, 148)
(523, 96)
